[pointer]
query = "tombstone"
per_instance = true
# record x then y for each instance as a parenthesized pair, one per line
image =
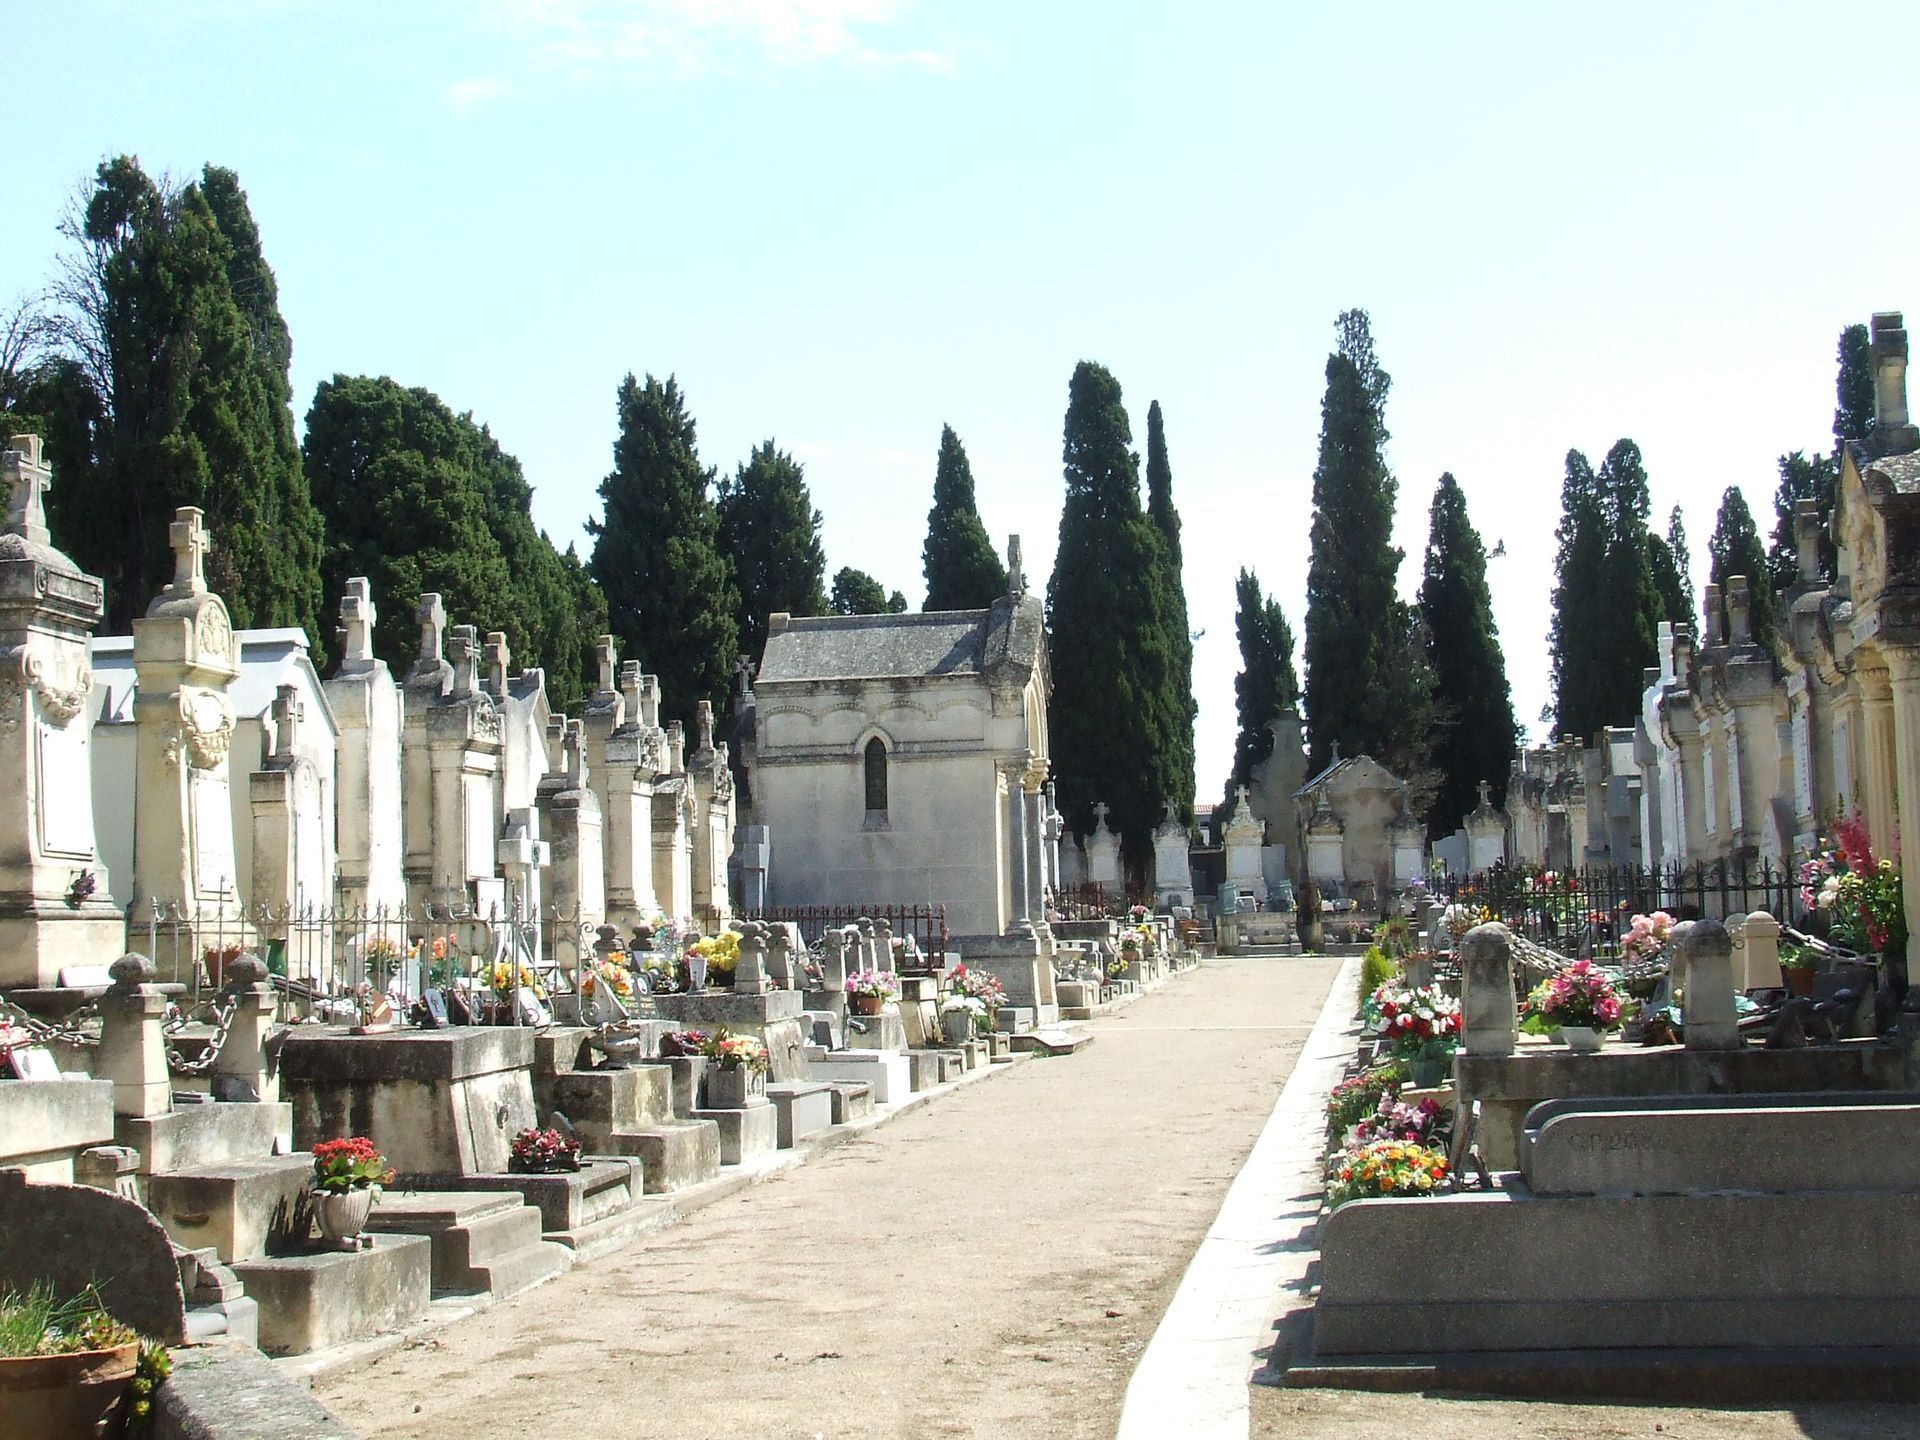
(463, 737)
(833, 947)
(570, 817)
(54, 910)
(1243, 839)
(186, 660)
(426, 685)
(1103, 853)
(1172, 862)
(292, 841)
(672, 844)
(1759, 952)
(780, 958)
(1703, 966)
(366, 706)
(755, 862)
(750, 974)
(710, 777)
(628, 814)
(1487, 834)
(883, 944)
(522, 856)
(869, 952)
(1487, 1017)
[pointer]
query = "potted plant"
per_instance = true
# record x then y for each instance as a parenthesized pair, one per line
(962, 1017)
(1580, 1005)
(1421, 1026)
(981, 985)
(1799, 968)
(715, 959)
(347, 1176)
(543, 1152)
(736, 1069)
(1382, 1169)
(868, 991)
(66, 1366)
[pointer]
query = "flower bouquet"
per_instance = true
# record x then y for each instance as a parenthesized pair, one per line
(1859, 893)
(676, 1043)
(1646, 936)
(1359, 1096)
(964, 1017)
(1581, 1004)
(543, 1152)
(718, 954)
(1421, 1025)
(735, 1052)
(737, 1069)
(610, 973)
(1425, 1123)
(1383, 1169)
(868, 991)
(978, 985)
(347, 1176)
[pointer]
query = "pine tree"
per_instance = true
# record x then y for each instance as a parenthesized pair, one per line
(656, 556)
(770, 534)
(1266, 686)
(172, 320)
(1166, 520)
(1736, 550)
(857, 593)
(1474, 731)
(1365, 678)
(417, 498)
(963, 570)
(1115, 713)
(1853, 409)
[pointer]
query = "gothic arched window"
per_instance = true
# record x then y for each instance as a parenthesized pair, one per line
(876, 775)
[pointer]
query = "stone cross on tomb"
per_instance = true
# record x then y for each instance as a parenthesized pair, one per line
(190, 542)
(703, 720)
(287, 715)
(630, 683)
(1016, 572)
(357, 616)
(1486, 795)
(28, 479)
(498, 658)
(650, 701)
(432, 615)
(573, 755)
(463, 649)
(742, 674)
(1100, 816)
(607, 653)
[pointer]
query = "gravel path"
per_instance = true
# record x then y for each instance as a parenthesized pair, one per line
(988, 1265)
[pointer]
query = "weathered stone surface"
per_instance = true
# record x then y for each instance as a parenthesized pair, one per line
(1488, 1025)
(745, 1134)
(571, 1202)
(45, 1123)
(484, 1242)
(201, 1135)
(244, 1209)
(233, 1392)
(308, 1302)
(1673, 1151)
(885, 1073)
(72, 1236)
(803, 1110)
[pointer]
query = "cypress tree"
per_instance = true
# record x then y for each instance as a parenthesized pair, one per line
(1853, 387)
(1682, 555)
(1266, 686)
(1114, 715)
(670, 596)
(1580, 702)
(962, 568)
(418, 498)
(770, 534)
(1166, 520)
(1365, 680)
(1736, 550)
(1665, 569)
(1802, 477)
(1474, 732)
(857, 593)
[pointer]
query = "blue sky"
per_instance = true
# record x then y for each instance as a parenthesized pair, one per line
(842, 223)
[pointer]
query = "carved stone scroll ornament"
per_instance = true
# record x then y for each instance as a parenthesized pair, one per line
(62, 695)
(203, 731)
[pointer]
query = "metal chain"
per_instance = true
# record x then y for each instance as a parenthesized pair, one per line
(42, 1032)
(222, 1022)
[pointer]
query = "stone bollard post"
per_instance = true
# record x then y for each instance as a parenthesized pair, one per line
(1489, 1024)
(133, 1045)
(1762, 952)
(1703, 955)
(868, 960)
(750, 975)
(780, 957)
(241, 1070)
(883, 943)
(833, 964)
(113, 1168)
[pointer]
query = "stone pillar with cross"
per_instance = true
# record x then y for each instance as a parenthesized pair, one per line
(367, 712)
(712, 839)
(627, 818)
(426, 684)
(570, 819)
(604, 713)
(463, 742)
(56, 910)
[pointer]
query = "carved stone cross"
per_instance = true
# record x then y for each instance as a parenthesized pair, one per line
(606, 652)
(498, 658)
(357, 615)
(650, 701)
(287, 715)
(190, 541)
(463, 648)
(630, 683)
(703, 719)
(1016, 572)
(432, 616)
(27, 478)
(574, 755)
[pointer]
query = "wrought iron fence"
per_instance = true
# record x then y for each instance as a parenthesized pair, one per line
(1092, 900)
(1585, 911)
(927, 924)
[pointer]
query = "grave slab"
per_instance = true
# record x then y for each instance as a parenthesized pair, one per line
(243, 1210)
(308, 1302)
(745, 1134)
(45, 1123)
(885, 1073)
(193, 1136)
(803, 1110)
(484, 1242)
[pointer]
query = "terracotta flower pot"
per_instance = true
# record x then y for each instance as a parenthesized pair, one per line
(342, 1214)
(1799, 978)
(64, 1397)
(867, 1004)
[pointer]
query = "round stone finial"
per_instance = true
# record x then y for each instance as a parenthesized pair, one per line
(130, 970)
(246, 969)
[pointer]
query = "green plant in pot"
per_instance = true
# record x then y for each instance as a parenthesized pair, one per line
(347, 1176)
(68, 1369)
(1799, 968)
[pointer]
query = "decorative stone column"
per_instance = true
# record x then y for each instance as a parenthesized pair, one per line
(1904, 673)
(464, 745)
(750, 974)
(1703, 961)
(1036, 843)
(570, 817)
(240, 1070)
(1878, 754)
(427, 683)
(133, 1047)
(833, 963)
(1760, 952)
(1011, 772)
(54, 910)
(367, 709)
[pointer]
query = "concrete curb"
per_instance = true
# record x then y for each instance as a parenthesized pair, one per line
(1192, 1379)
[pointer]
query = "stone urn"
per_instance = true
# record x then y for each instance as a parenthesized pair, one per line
(342, 1214)
(736, 1088)
(65, 1397)
(1583, 1039)
(958, 1025)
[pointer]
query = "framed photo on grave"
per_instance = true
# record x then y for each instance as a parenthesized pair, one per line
(434, 1004)
(33, 1062)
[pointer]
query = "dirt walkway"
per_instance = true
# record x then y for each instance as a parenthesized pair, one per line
(989, 1265)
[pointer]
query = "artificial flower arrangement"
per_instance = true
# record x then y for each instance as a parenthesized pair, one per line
(978, 985)
(1425, 1123)
(721, 952)
(610, 973)
(1861, 894)
(735, 1052)
(683, 1042)
(448, 961)
(383, 958)
(1646, 935)
(883, 983)
(1359, 1096)
(975, 1010)
(1384, 1169)
(1137, 914)
(505, 976)
(1417, 1022)
(543, 1152)
(1582, 996)
(351, 1164)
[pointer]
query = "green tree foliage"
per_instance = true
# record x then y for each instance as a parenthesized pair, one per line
(1853, 408)
(1736, 550)
(1474, 731)
(857, 593)
(1682, 553)
(770, 534)
(172, 320)
(1266, 686)
(417, 498)
(1668, 567)
(1802, 477)
(1116, 712)
(1368, 686)
(656, 552)
(963, 570)
(1166, 520)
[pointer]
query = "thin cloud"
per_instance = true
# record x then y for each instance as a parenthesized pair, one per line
(463, 97)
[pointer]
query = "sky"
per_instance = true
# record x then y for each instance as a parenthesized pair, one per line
(843, 223)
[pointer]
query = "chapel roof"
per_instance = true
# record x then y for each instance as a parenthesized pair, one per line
(903, 647)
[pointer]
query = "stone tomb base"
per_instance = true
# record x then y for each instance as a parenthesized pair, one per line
(41, 938)
(885, 1073)
(803, 1110)
(746, 1134)
(589, 1210)
(308, 1302)
(45, 1123)
(196, 1136)
(774, 1016)
(484, 1243)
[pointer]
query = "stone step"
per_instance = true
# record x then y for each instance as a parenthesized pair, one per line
(1055, 1039)
(745, 1134)
(852, 1100)
(598, 1102)
(308, 1302)
(1014, 1019)
(675, 1156)
(886, 1073)
(242, 1210)
(803, 1108)
(483, 1241)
